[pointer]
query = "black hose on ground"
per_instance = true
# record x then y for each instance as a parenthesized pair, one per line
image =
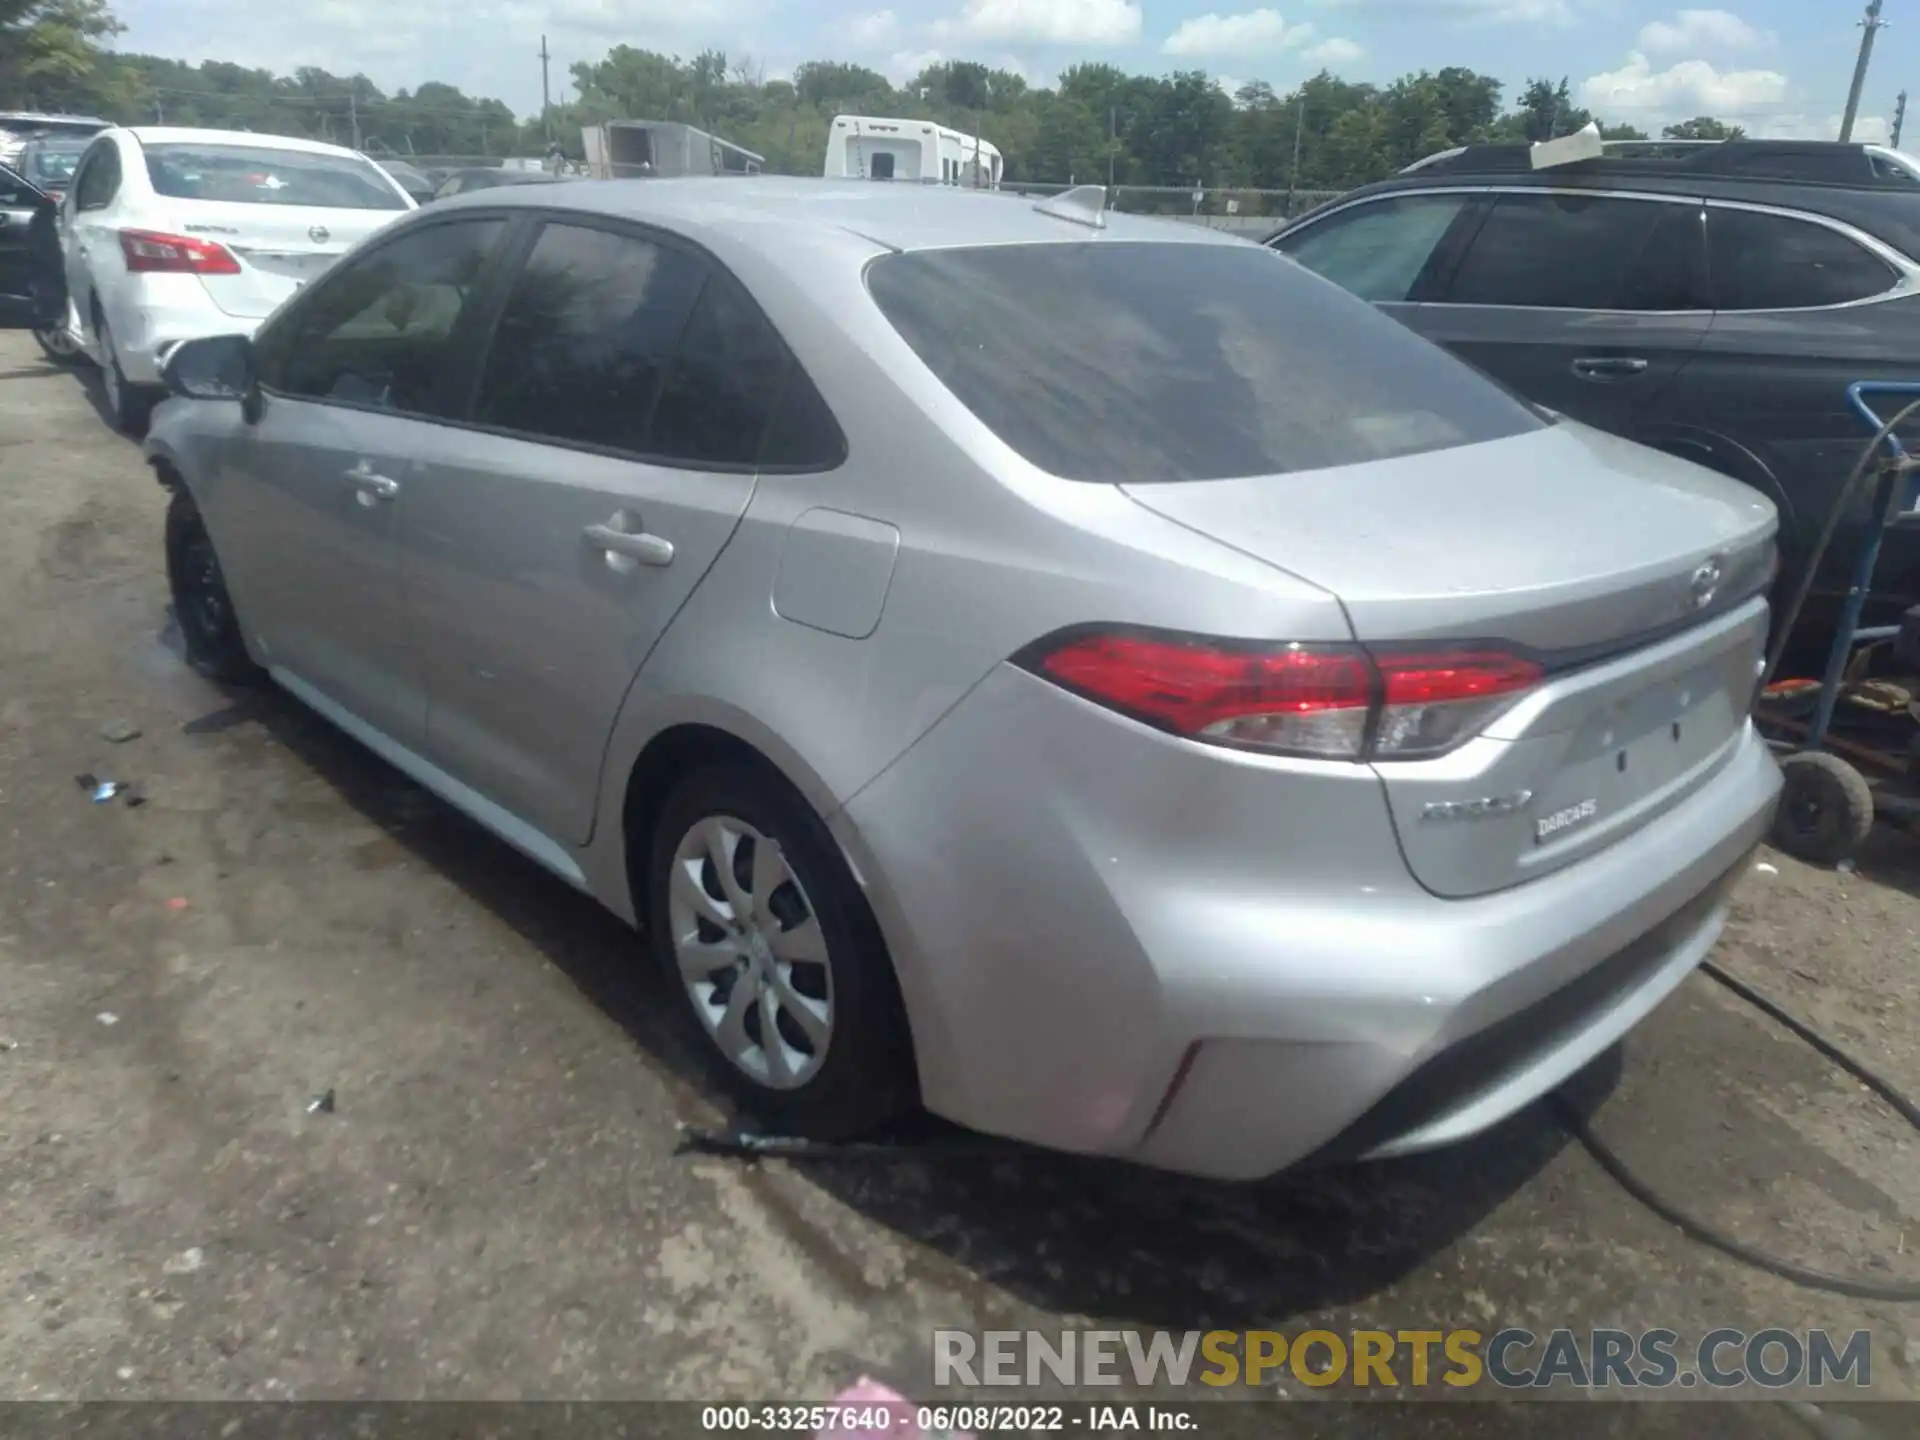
(1902, 1292)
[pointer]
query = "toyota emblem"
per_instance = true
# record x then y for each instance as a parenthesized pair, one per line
(319, 234)
(1705, 583)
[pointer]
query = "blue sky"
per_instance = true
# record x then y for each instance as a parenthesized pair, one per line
(1779, 66)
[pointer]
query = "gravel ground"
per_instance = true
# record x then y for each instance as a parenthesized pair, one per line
(495, 1209)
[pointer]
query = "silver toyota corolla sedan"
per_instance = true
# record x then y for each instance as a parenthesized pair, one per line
(1084, 674)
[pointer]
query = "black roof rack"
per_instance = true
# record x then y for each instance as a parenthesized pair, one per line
(1819, 162)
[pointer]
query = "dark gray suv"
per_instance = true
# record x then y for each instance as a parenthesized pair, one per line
(1712, 300)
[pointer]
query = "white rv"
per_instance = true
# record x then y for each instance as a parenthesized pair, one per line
(860, 147)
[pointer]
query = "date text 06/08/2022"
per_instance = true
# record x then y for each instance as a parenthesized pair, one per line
(943, 1422)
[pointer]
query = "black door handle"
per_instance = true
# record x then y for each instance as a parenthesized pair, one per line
(1609, 367)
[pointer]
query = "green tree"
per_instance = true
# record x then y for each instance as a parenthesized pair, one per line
(1703, 127)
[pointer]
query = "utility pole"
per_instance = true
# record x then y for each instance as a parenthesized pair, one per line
(1299, 134)
(1899, 119)
(546, 96)
(353, 109)
(1871, 25)
(1113, 145)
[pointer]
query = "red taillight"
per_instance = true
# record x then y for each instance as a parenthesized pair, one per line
(1329, 701)
(150, 252)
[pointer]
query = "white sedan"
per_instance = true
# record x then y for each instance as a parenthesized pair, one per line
(172, 234)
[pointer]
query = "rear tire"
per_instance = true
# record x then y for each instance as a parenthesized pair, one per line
(128, 406)
(1826, 808)
(780, 945)
(202, 608)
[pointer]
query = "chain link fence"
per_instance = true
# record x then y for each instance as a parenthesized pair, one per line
(1248, 211)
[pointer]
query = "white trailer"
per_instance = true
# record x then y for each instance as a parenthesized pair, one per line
(624, 149)
(865, 147)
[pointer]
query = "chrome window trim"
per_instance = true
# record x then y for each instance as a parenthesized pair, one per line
(1906, 270)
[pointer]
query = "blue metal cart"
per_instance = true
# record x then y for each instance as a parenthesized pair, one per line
(1830, 802)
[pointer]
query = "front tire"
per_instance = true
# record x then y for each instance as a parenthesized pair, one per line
(757, 920)
(58, 344)
(209, 625)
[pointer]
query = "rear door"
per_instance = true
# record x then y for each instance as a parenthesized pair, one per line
(95, 264)
(611, 451)
(1590, 304)
(1804, 307)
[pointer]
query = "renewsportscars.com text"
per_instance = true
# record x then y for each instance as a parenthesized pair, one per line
(1512, 1359)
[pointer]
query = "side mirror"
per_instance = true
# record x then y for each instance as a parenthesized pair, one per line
(219, 367)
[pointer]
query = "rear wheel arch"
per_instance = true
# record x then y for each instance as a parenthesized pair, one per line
(716, 760)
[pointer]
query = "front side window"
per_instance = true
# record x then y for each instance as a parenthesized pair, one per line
(1581, 252)
(1131, 362)
(377, 330)
(584, 341)
(260, 175)
(1377, 250)
(13, 191)
(1774, 262)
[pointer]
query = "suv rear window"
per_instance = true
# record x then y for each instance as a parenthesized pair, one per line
(260, 175)
(1128, 362)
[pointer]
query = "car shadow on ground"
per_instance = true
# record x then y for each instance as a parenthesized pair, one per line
(1070, 1234)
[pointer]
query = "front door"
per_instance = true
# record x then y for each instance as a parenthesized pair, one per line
(1591, 305)
(623, 398)
(353, 380)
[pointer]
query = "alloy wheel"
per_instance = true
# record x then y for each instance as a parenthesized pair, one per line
(750, 952)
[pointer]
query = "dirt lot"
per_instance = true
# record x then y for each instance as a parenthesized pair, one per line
(495, 1207)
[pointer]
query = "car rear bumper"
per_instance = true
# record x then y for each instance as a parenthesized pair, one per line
(161, 314)
(1116, 942)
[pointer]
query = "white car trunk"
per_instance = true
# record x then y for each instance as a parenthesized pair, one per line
(279, 247)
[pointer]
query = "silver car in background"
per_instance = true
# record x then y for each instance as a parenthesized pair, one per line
(1085, 674)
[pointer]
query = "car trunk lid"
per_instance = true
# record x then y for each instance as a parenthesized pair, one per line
(1634, 578)
(279, 248)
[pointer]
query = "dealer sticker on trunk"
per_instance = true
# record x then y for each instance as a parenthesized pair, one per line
(1560, 821)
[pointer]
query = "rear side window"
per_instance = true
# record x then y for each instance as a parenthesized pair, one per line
(1583, 252)
(583, 344)
(725, 381)
(1129, 362)
(1774, 262)
(613, 341)
(261, 175)
(1377, 250)
(99, 177)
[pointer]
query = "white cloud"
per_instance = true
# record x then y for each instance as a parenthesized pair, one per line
(1046, 22)
(1335, 52)
(1638, 92)
(1692, 31)
(1257, 32)
(1867, 129)
(903, 65)
(874, 32)
(1228, 84)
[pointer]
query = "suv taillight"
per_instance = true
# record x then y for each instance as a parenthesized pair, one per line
(152, 252)
(1333, 702)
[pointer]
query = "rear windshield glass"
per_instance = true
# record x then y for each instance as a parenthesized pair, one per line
(52, 164)
(1130, 362)
(262, 176)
